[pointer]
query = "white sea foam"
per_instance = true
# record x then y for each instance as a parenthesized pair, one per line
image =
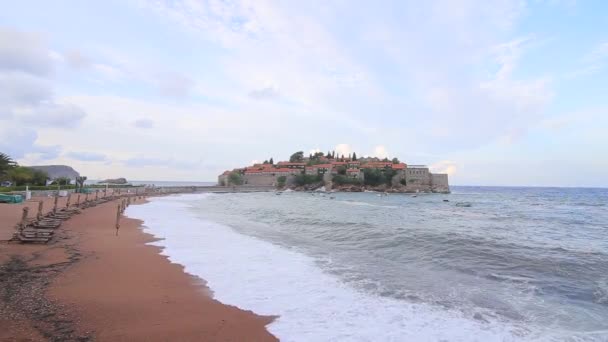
(270, 280)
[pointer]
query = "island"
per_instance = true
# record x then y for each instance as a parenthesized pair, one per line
(330, 172)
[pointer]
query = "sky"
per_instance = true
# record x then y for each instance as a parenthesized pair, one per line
(491, 92)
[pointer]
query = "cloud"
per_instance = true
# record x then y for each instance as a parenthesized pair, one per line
(27, 99)
(143, 123)
(18, 143)
(44, 153)
(264, 93)
(54, 115)
(380, 152)
(343, 149)
(87, 156)
(174, 84)
(25, 52)
(444, 166)
(23, 89)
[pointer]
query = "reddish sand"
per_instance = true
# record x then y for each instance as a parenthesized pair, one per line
(116, 288)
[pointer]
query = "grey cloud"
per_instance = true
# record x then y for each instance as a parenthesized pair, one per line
(264, 93)
(143, 123)
(86, 156)
(27, 93)
(175, 84)
(19, 88)
(54, 115)
(47, 152)
(24, 51)
(18, 143)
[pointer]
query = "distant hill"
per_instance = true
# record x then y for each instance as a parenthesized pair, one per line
(114, 181)
(56, 171)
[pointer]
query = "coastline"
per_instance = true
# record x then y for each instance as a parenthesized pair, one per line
(89, 284)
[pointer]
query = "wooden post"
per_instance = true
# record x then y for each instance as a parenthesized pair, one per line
(67, 203)
(96, 194)
(86, 198)
(118, 219)
(39, 215)
(55, 204)
(78, 200)
(24, 217)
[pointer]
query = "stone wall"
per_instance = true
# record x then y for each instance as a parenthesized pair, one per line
(259, 179)
(439, 182)
(418, 179)
(266, 179)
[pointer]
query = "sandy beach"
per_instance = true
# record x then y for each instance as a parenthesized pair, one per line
(89, 284)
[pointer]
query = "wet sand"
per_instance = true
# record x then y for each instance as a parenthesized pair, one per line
(90, 284)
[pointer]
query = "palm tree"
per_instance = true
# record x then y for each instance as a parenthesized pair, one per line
(6, 163)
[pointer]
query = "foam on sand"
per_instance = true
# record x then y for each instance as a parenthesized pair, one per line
(270, 280)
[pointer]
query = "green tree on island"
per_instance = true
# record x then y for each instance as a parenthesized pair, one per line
(354, 156)
(271, 161)
(235, 178)
(281, 181)
(297, 157)
(395, 160)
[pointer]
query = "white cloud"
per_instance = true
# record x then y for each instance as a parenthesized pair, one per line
(380, 152)
(343, 149)
(444, 166)
(87, 156)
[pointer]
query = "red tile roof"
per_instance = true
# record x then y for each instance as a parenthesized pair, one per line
(290, 163)
(400, 166)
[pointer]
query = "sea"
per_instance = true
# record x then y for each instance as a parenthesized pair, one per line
(479, 264)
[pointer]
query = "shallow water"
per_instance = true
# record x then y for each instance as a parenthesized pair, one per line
(517, 264)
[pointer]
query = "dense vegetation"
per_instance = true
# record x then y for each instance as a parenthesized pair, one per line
(297, 157)
(281, 181)
(375, 177)
(20, 175)
(235, 178)
(342, 180)
(304, 179)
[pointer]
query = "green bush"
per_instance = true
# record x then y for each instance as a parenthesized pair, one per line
(376, 177)
(304, 179)
(342, 180)
(235, 178)
(281, 181)
(402, 181)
